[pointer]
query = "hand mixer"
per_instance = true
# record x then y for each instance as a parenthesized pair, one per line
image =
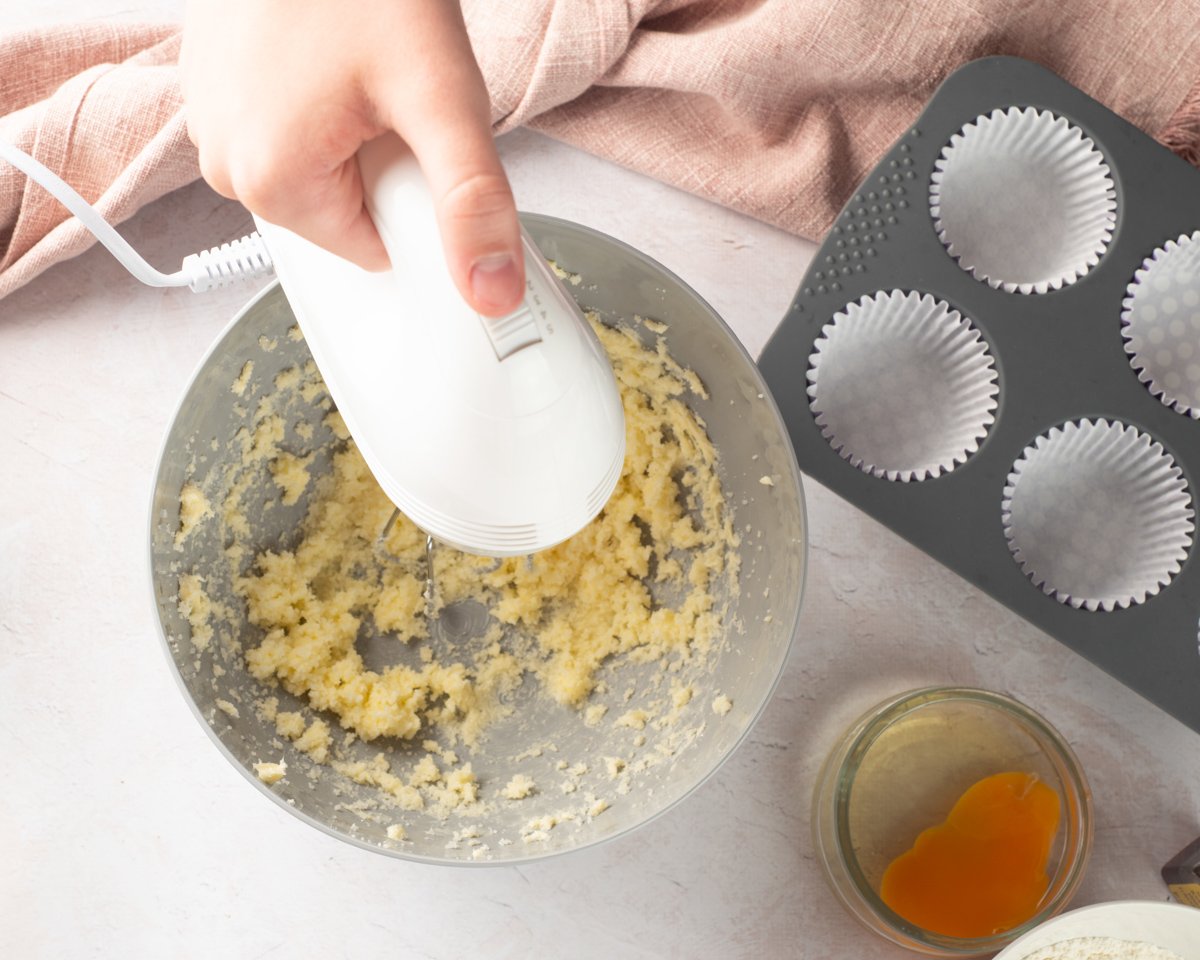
(499, 436)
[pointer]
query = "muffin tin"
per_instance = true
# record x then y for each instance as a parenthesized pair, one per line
(996, 352)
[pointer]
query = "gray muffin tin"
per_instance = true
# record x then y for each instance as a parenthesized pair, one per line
(1059, 355)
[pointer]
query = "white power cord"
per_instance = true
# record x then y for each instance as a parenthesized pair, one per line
(238, 260)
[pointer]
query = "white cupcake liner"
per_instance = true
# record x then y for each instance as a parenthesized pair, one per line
(1098, 514)
(1023, 200)
(902, 385)
(1160, 321)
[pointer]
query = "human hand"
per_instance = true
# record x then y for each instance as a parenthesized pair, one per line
(280, 95)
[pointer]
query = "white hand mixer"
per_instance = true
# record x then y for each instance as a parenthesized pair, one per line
(497, 436)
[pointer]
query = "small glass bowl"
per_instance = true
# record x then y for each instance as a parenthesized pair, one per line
(900, 768)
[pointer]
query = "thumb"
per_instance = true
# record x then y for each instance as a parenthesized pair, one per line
(447, 124)
(481, 234)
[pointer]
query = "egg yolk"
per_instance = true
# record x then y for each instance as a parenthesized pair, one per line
(983, 870)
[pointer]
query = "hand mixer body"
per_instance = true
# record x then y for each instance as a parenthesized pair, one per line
(498, 436)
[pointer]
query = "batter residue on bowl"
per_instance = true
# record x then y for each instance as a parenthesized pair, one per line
(645, 583)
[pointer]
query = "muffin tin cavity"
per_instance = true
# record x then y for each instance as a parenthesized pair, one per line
(1160, 322)
(902, 385)
(1098, 514)
(1023, 200)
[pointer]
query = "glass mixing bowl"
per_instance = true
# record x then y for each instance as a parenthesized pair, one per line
(900, 768)
(745, 426)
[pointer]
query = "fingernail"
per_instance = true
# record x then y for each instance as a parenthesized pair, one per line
(496, 283)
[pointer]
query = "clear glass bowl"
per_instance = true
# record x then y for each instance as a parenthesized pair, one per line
(900, 768)
(744, 424)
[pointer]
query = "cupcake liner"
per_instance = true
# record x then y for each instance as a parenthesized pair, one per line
(1023, 200)
(1097, 514)
(902, 385)
(1160, 321)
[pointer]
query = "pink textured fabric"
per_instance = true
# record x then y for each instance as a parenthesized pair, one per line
(99, 104)
(776, 108)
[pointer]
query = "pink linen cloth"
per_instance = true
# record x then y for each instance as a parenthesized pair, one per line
(776, 108)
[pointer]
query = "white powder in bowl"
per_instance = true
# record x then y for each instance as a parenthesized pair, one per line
(1101, 948)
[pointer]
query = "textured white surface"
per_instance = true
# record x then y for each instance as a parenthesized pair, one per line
(123, 833)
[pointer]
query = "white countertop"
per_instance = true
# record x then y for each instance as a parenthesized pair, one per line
(123, 832)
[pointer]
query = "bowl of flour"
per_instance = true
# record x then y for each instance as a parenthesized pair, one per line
(1120, 930)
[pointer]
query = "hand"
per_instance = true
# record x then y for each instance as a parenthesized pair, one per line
(280, 95)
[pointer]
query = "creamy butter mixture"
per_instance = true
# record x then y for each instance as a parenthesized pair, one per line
(638, 585)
